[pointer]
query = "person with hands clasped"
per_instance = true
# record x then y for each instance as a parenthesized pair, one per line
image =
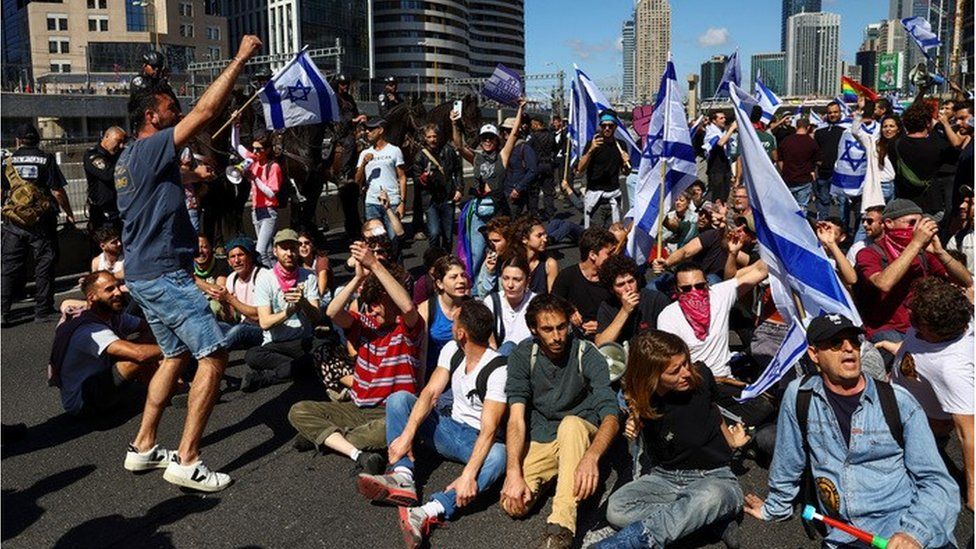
(672, 404)
(476, 375)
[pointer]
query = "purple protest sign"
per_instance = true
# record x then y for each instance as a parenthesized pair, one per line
(642, 119)
(504, 86)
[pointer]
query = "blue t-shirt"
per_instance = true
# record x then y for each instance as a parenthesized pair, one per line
(157, 234)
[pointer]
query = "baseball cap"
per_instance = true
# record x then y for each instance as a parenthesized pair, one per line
(489, 129)
(390, 80)
(243, 243)
(285, 235)
(826, 326)
(376, 123)
(27, 132)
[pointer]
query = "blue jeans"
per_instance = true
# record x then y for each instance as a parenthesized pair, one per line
(802, 194)
(669, 505)
(850, 207)
(377, 211)
(241, 336)
(178, 314)
(887, 190)
(563, 229)
(265, 220)
(477, 240)
(449, 438)
(822, 189)
(440, 224)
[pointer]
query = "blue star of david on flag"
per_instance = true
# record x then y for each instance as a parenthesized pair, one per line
(298, 92)
(310, 100)
(855, 164)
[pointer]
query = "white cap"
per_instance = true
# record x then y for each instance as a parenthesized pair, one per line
(489, 128)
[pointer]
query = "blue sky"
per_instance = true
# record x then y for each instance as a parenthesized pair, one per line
(559, 33)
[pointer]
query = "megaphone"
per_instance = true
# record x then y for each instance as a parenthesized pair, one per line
(616, 356)
(923, 79)
(235, 172)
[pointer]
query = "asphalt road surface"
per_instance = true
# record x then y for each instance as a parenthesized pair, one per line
(64, 485)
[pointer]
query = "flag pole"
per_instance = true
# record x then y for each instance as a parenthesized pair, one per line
(664, 171)
(569, 143)
(251, 99)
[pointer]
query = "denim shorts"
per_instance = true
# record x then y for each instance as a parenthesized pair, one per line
(178, 314)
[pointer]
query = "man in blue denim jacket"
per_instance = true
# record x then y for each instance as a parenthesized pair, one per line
(861, 473)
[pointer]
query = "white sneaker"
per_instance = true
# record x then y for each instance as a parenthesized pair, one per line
(154, 458)
(196, 476)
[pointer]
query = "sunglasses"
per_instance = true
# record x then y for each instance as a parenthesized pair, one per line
(608, 125)
(836, 343)
(685, 288)
(304, 243)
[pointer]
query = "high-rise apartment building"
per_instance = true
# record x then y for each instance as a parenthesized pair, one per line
(711, 75)
(652, 27)
(772, 68)
(813, 54)
(791, 8)
(629, 46)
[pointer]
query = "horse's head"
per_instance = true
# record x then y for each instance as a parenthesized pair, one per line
(470, 116)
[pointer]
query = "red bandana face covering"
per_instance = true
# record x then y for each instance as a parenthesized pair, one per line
(697, 310)
(896, 240)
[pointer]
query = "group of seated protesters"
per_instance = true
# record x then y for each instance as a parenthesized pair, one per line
(502, 366)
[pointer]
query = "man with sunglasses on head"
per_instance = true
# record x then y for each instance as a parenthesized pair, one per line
(867, 447)
(604, 161)
(908, 250)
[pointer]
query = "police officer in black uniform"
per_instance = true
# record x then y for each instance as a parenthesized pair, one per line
(390, 98)
(543, 143)
(350, 118)
(39, 168)
(99, 165)
(153, 70)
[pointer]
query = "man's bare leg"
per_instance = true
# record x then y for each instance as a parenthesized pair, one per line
(157, 399)
(203, 394)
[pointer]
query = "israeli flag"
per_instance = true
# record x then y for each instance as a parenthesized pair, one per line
(921, 31)
(733, 74)
(298, 95)
(590, 102)
(802, 279)
(668, 141)
(766, 99)
(789, 352)
(851, 165)
(816, 121)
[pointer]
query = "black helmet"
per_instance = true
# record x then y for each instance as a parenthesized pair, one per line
(138, 83)
(154, 59)
(341, 79)
(262, 73)
(390, 80)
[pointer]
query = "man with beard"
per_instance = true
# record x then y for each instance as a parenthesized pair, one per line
(237, 298)
(158, 238)
(100, 172)
(93, 361)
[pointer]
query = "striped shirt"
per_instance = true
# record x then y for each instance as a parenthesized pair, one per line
(387, 360)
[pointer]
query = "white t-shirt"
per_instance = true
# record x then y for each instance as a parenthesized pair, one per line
(516, 329)
(855, 248)
(468, 410)
(86, 357)
(243, 289)
(714, 351)
(945, 374)
(381, 173)
(267, 293)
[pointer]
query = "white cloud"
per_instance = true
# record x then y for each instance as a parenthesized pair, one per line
(585, 50)
(620, 43)
(714, 37)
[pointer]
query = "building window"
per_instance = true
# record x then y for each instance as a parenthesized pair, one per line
(186, 30)
(97, 4)
(186, 9)
(57, 45)
(97, 23)
(213, 33)
(60, 66)
(57, 21)
(214, 53)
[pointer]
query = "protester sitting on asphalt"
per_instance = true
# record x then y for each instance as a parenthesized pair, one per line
(530, 237)
(451, 288)
(673, 406)
(935, 364)
(866, 447)
(388, 338)
(580, 283)
(209, 272)
(287, 301)
(706, 249)
(558, 393)
(476, 376)
(631, 309)
(873, 229)
(498, 232)
(316, 261)
(94, 361)
(159, 240)
(242, 329)
(111, 259)
(510, 303)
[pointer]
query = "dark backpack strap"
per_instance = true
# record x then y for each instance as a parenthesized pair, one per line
(456, 359)
(481, 382)
(808, 490)
(496, 301)
(431, 303)
(889, 407)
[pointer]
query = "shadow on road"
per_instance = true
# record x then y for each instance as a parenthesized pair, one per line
(116, 530)
(64, 427)
(20, 507)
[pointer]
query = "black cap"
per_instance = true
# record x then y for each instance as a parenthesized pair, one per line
(28, 133)
(390, 80)
(341, 79)
(154, 59)
(826, 326)
(376, 123)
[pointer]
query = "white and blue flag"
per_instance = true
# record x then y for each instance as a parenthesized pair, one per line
(815, 120)
(733, 74)
(802, 279)
(766, 99)
(789, 352)
(851, 166)
(299, 94)
(669, 141)
(588, 103)
(921, 31)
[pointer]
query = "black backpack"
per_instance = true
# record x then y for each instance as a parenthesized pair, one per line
(808, 489)
(481, 382)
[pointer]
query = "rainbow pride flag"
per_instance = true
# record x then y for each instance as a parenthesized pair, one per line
(852, 89)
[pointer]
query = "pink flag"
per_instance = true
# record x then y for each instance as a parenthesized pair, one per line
(642, 119)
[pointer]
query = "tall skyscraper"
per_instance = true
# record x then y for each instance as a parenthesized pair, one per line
(245, 17)
(629, 46)
(941, 15)
(813, 54)
(293, 24)
(496, 33)
(790, 8)
(866, 57)
(653, 42)
(772, 67)
(711, 75)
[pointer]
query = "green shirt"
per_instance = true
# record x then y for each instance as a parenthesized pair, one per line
(551, 392)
